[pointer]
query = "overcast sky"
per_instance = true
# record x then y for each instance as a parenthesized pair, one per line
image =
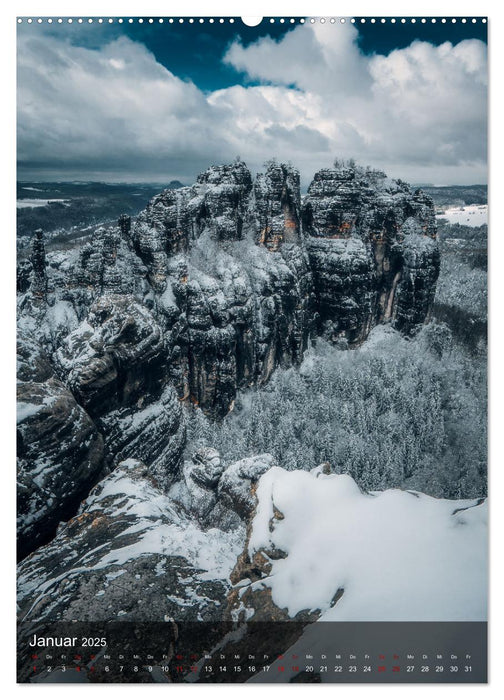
(162, 102)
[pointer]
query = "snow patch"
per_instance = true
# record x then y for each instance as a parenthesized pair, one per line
(397, 555)
(472, 215)
(25, 410)
(32, 203)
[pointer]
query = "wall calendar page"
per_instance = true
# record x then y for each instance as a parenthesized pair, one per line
(252, 349)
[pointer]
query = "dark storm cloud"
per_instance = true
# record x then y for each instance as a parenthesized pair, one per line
(108, 106)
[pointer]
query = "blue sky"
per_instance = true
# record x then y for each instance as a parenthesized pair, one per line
(93, 98)
(195, 51)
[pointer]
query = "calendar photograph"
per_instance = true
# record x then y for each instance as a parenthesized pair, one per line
(252, 350)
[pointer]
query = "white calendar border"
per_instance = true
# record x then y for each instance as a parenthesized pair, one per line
(225, 8)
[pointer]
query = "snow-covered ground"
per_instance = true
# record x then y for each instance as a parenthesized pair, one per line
(398, 555)
(472, 215)
(153, 524)
(212, 551)
(31, 203)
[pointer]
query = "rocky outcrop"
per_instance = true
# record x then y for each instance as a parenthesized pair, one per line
(37, 259)
(224, 207)
(127, 555)
(153, 432)
(417, 287)
(217, 202)
(115, 357)
(250, 600)
(129, 533)
(236, 486)
(107, 265)
(237, 275)
(140, 562)
(216, 495)
(114, 363)
(345, 283)
(110, 402)
(364, 232)
(137, 563)
(233, 311)
(284, 571)
(240, 310)
(359, 250)
(278, 204)
(60, 451)
(213, 287)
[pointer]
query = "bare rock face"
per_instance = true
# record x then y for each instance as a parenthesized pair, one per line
(126, 555)
(23, 275)
(239, 310)
(224, 193)
(39, 277)
(114, 362)
(124, 223)
(218, 496)
(207, 292)
(336, 264)
(278, 206)
(107, 265)
(113, 358)
(236, 486)
(242, 322)
(416, 291)
(33, 364)
(361, 251)
(60, 451)
(110, 402)
(217, 202)
(344, 279)
(154, 433)
(236, 276)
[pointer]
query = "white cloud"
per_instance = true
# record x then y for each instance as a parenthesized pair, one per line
(419, 112)
(114, 108)
(314, 58)
(418, 109)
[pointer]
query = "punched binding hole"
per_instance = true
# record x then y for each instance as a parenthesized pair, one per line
(252, 21)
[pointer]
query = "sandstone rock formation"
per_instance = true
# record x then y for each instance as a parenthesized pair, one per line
(129, 525)
(39, 277)
(207, 292)
(60, 451)
(100, 565)
(363, 233)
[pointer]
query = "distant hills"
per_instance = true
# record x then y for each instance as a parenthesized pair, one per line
(77, 204)
(451, 195)
(80, 204)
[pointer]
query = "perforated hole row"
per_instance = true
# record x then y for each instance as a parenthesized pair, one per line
(231, 20)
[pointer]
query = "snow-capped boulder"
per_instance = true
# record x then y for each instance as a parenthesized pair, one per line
(237, 484)
(218, 496)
